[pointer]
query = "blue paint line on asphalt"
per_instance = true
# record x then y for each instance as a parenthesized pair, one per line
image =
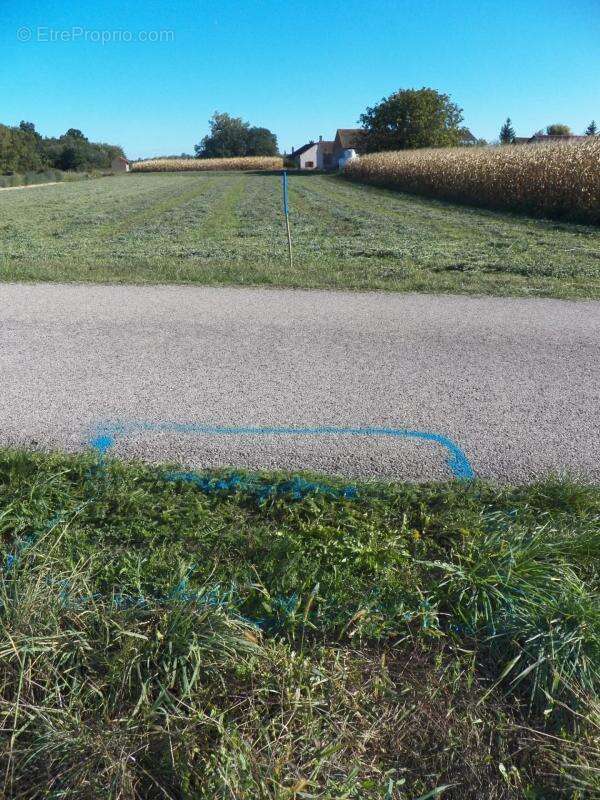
(106, 436)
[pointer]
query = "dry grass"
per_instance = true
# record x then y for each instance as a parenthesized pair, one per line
(558, 180)
(207, 164)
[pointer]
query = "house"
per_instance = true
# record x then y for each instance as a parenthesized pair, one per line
(325, 154)
(119, 164)
(314, 155)
(541, 138)
(466, 138)
(346, 139)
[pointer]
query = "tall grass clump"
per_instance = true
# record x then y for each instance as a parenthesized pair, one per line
(110, 696)
(208, 164)
(233, 635)
(556, 180)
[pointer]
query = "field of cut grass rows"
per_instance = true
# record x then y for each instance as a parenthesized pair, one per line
(260, 638)
(228, 228)
(555, 180)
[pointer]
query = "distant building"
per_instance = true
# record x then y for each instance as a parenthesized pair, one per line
(314, 155)
(326, 155)
(119, 164)
(466, 138)
(541, 138)
(346, 139)
(565, 137)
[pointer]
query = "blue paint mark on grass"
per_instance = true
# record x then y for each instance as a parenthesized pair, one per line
(297, 488)
(106, 436)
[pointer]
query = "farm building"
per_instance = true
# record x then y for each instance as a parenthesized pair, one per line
(346, 139)
(314, 155)
(119, 164)
(540, 138)
(326, 154)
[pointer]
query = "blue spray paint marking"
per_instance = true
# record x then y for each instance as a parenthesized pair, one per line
(284, 182)
(296, 488)
(106, 436)
(102, 443)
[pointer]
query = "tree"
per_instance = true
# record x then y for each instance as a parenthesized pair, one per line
(261, 142)
(507, 132)
(75, 133)
(411, 118)
(558, 130)
(231, 136)
(592, 129)
(26, 127)
(71, 158)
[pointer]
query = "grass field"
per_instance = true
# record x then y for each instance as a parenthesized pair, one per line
(227, 228)
(251, 637)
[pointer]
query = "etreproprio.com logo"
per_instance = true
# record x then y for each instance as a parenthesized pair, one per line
(78, 33)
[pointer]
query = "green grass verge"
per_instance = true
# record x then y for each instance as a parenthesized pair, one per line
(227, 228)
(249, 636)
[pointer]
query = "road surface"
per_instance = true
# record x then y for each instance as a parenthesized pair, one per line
(416, 387)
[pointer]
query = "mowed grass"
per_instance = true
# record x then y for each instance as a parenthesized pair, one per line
(228, 228)
(261, 637)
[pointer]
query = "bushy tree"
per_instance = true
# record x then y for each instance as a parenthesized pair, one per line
(231, 137)
(27, 127)
(261, 142)
(411, 118)
(70, 158)
(75, 133)
(20, 150)
(592, 129)
(507, 132)
(558, 129)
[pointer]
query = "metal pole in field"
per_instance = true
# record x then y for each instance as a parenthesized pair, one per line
(284, 181)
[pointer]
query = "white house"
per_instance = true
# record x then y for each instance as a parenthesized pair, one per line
(314, 155)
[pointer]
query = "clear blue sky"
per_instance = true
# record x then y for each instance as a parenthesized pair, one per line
(299, 68)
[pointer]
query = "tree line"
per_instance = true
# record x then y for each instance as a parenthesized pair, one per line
(23, 149)
(405, 120)
(508, 135)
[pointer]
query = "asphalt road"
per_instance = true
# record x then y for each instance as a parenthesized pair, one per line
(509, 388)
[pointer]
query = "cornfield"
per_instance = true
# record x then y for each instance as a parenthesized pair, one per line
(205, 164)
(556, 180)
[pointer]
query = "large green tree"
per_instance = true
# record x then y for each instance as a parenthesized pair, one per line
(592, 129)
(231, 136)
(261, 142)
(411, 118)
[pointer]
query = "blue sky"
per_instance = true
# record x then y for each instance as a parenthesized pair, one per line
(301, 69)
